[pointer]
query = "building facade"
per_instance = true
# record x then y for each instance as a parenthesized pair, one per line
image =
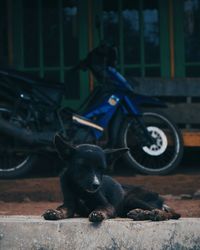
(158, 42)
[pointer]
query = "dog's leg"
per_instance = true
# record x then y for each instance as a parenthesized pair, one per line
(173, 214)
(64, 211)
(141, 204)
(61, 212)
(159, 215)
(154, 215)
(139, 214)
(102, 213)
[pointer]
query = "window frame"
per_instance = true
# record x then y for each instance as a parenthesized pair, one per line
(164, 65)
(179, 41)
(18, 47)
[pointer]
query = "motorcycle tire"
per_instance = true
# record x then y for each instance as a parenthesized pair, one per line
(163, 155)
(14, 163)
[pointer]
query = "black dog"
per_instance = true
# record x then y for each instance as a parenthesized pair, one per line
(89, 193)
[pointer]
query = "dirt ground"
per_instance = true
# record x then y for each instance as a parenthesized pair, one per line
(33, 196)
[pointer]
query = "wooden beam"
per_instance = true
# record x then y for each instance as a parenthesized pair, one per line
(191, 138)
(181, 113)
(166, 86)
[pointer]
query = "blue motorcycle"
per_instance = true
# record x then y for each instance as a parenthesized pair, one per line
(31, 114)
(155, 142)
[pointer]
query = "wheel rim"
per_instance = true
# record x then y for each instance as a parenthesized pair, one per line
(10, 160)
(7, 166)
(160, 144)
(156, 157)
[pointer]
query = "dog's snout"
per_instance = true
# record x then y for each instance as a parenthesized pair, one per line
(96, 180)
(96, 183)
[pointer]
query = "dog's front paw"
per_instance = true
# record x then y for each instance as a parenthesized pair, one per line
(97, 216)
(139, 214)
(159, 215)
(52, 214)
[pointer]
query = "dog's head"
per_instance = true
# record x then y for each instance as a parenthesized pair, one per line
(86, 162)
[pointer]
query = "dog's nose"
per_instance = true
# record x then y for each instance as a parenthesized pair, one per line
(95, 183)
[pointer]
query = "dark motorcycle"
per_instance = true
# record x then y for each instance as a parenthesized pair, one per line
(31, 114)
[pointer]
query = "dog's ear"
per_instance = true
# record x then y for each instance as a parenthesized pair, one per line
(64, 149)
(113, 154)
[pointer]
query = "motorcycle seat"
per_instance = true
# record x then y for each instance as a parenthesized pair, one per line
(39, 86)
(33, 80)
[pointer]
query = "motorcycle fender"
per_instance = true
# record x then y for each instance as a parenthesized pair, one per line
(148, 101)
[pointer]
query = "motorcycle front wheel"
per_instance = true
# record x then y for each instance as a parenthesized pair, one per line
(165, 151)
(14, 162)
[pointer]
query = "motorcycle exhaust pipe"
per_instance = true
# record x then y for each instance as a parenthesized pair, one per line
(26, 136)
(40, 138)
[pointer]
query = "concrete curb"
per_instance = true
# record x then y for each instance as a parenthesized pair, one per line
(28, 232)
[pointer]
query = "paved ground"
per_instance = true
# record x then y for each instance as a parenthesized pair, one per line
(30, 232)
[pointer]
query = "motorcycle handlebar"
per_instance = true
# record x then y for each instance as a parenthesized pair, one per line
(81, 65)
(102, 54)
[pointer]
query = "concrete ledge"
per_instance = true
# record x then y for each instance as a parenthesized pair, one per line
(24, 232)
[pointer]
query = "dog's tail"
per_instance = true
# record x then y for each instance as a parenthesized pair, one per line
(172, 214)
